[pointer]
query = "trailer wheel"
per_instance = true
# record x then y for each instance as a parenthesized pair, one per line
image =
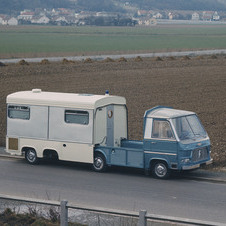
(31, 156)
(160, 170)
(99, 164)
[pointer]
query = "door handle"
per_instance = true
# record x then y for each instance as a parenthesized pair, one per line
(153, 142)
(113, 151)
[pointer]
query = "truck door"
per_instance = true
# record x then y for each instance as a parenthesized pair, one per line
(110, 125)
(162, 144)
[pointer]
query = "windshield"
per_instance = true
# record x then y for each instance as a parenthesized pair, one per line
(188, 127)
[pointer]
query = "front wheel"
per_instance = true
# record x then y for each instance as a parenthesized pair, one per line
(99, 164)
(31, 156)
(160, 170)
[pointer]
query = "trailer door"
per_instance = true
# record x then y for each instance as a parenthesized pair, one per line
(73, 130)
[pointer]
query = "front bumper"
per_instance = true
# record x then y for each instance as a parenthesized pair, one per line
(196, 166)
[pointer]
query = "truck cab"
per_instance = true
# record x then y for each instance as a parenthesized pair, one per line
(174, 140)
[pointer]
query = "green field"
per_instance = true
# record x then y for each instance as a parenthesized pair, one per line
(42, 40)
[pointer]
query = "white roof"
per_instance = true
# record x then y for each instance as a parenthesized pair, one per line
(167, 113)
(81, 101)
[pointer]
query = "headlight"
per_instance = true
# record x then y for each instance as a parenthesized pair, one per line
(185, 160)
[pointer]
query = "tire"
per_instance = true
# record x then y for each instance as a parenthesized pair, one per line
(99, 163)
(160, 170)
(31, 156)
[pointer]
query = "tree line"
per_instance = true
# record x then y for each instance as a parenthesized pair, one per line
(14, 6)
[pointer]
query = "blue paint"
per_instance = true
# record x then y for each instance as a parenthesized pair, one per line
(179, 154)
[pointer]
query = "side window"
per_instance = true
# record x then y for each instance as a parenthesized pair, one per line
(162, 130)
(19, 112)
(77, 117)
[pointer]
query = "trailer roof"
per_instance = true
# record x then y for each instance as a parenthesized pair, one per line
(166, 112)
(81, 101)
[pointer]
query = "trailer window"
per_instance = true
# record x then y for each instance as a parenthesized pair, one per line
(19, 112)
(162, 130)
(77, 117)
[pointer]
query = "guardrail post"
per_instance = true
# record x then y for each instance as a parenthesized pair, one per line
(63, 213)
(142, 218)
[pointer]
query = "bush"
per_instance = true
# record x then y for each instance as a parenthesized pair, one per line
(122, 59)
(213, 57)
(199, 57)
(9, 217)
(138, 59)
(158, 59)
(23, 62)
(45, 61)
(186, 58)
(88, 60)
(108, 59)
(171, 58)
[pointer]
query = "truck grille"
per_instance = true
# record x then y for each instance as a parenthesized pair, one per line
(199, 154)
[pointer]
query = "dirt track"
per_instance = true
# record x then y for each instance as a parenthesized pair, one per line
(197, 84)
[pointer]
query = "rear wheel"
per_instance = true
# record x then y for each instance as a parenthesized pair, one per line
(99, 164)
(160, 170)
(31, 156)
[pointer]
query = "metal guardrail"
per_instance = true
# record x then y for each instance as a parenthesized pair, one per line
(142, 216)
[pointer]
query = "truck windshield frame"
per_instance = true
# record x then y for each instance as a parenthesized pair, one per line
(188, 127)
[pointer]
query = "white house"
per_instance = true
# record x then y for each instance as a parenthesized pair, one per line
(195, 16)
(158, 16)
(59, 20)
(147, 22)
(216, 16)
(40, 20)
(6, 20)
(1, 20)
(12, 21)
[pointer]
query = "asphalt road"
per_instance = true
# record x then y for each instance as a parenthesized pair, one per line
(102, 57)
(116, 189)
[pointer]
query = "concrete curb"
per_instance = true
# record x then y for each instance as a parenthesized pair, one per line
(11, 156)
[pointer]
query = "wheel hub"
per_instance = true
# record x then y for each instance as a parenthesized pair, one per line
(160, 170)
(98, 163)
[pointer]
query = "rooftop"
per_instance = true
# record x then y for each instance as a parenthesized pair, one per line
(165, 112)
(81, 101)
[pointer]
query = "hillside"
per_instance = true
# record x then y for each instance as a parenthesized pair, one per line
(213, 5)
(14, 6)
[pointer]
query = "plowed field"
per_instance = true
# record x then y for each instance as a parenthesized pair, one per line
(196, 84)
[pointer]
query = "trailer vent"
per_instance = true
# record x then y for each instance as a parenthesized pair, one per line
(36, 90)
(13, 144)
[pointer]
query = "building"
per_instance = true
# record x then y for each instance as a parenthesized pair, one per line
(40, 20)
(12, 21)
(26, 15)
(195, 16)
(207, 15)
(216, 16)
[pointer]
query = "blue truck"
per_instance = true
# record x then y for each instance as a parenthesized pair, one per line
(173, 140)
(94, 129)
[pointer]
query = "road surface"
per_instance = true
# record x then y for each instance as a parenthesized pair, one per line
(116, 189)
(128, 56)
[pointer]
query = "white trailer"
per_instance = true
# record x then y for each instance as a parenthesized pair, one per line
(63, 125)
